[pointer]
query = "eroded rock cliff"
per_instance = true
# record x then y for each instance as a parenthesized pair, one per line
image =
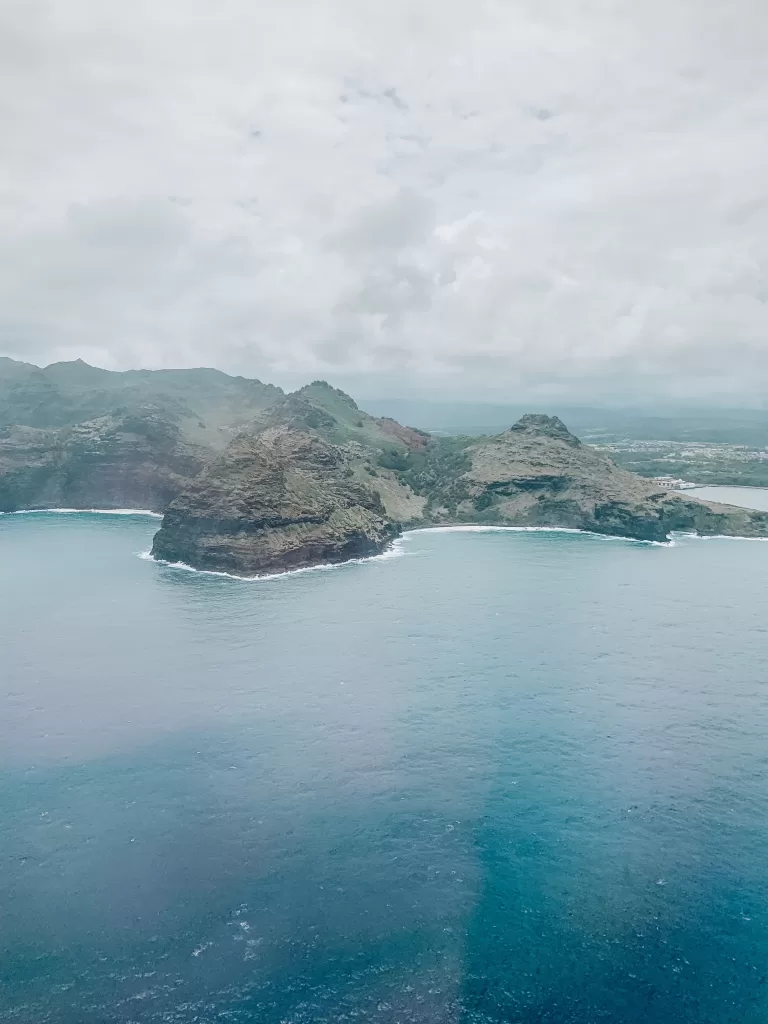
(279, 499)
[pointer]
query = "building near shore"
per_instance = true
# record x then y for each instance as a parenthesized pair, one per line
(671, 483)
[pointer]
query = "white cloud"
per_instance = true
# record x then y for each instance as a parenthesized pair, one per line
(495, 198)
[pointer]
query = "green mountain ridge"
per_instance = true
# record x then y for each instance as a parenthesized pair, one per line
(67, 393)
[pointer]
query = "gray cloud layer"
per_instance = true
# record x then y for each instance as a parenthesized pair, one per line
(499, 198)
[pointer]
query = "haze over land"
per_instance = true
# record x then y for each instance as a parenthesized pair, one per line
(536, 202)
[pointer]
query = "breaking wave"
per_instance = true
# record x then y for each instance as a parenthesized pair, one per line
(395, 550)
(84, 512)
(714, 536)
(477, 528)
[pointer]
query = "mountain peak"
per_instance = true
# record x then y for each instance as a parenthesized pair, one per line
(549, 426)
(322, 391)
(76, 370)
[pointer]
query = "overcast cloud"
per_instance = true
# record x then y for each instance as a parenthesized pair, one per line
(555, 197)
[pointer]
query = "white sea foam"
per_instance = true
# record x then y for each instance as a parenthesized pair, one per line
(715, 536)
(84, 512)
(477, 528)
(394, 551)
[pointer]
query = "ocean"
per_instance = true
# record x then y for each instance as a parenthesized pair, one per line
(490, 777)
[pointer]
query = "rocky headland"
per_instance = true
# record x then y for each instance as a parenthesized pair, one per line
(254, 481)
(285, 496)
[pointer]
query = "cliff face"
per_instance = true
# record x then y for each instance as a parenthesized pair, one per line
(112, 462)
(315, 480)
(73, 435)
(280, 499)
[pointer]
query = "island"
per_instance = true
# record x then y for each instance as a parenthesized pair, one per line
(253, 481)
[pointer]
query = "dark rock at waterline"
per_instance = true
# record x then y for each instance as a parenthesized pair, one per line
(278, 500)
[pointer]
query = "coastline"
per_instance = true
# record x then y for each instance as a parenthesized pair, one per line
(395, 549)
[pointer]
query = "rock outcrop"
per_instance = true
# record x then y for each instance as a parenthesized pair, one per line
(539, 474)
(284, 497)
(279, 499)
(110, 462)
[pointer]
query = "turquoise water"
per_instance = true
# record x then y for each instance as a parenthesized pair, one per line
(497, 777)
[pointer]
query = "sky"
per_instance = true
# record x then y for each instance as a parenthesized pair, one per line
(563, 199)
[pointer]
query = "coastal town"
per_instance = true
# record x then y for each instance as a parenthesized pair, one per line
(679, 465)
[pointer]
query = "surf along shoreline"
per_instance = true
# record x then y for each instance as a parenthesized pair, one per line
(394, 548)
